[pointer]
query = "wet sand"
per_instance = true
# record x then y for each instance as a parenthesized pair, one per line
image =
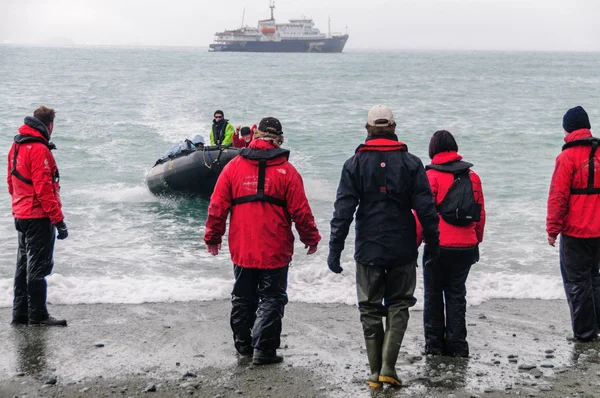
(185, 349)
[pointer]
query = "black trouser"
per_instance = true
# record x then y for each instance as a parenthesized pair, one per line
(444, 286)
(580, 269)
(257, 302)
(385, 292)
(34, 263)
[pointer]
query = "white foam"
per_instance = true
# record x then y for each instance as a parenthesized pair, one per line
(124, 289)
(117, 193)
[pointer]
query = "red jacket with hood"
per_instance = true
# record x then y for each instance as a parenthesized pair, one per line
(575, 215)
(239, 142)
(260, 233)
(452, 235)
(41, 198)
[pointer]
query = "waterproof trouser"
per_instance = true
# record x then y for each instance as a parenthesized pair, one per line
(385, 292)
(445, 301)
(257, 303)
(34, 264)
(580, 269)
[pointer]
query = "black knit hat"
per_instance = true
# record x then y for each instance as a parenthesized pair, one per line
(575, 119)
(218, 112)
(245, 131)
(270, 125)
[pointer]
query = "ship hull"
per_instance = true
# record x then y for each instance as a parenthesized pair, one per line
(330, 45)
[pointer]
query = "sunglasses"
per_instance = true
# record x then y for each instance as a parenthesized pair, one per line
(218, 117)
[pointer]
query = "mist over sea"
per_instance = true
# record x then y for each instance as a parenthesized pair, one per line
(119, 109)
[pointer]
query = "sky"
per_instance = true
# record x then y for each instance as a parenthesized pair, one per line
(522, 25)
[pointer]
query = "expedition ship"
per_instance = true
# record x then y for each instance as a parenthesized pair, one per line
(299, 36)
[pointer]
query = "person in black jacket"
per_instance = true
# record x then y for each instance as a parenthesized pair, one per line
(386, 182)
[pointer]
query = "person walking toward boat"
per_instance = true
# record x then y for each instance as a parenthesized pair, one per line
(33, 184)
(574, 214)
(221, 133)
(264, 194)
(243, 136)
(385, 182)
(458, 196)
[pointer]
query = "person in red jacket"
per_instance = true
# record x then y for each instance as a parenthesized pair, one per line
(243, 136)
(574, 213)
(264, 194)
(33, 184)
(444, 280)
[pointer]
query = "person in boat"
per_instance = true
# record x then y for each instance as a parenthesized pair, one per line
(186, 145)
(243, 136)
(264, 194)
(454, 187)
(385, 182)
(574, 214)
(33, 184)
(221, 133)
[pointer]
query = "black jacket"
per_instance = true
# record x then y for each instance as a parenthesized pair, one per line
(386, 183)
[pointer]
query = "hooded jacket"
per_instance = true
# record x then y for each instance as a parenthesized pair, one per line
(33, 180)
(260, 233)
(239, 142)
(453, 236)
(385, 182)
(575, 215)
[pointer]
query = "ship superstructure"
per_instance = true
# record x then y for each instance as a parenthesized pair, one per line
(299, 35)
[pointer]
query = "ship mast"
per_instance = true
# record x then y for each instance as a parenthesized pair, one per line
(243, 15)
(328, 26)
(272, 7)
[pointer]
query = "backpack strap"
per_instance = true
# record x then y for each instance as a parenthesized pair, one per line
(589, 190)
(260, 191)
(14, 172)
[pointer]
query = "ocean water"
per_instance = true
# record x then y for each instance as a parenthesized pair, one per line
(119, 109)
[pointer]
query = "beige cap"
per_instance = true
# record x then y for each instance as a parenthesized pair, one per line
(380, 116)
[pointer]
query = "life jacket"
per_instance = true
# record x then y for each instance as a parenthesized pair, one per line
(262, 156)
(380, 190)
(22, 139)
(594, 143)
(219, 134)
(459, 206)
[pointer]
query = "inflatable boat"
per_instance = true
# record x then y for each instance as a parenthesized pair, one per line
(192, 172)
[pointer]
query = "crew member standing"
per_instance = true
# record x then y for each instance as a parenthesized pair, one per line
(33, 184)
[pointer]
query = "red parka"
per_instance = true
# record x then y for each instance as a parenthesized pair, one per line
(239, 142)
(41, 198)
(440, 182)
(260, 233)
(575, 215)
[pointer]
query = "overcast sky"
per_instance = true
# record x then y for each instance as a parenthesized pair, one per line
(372, 24)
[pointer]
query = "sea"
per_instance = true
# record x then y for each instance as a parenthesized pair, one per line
(119, 109)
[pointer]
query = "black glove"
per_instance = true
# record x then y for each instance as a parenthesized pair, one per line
(61, 228)
(333, 261)
(432, 253)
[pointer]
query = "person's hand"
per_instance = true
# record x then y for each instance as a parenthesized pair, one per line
(432, 253)
(238, 128)
(551, 240)
(62, 230)
(311, 249)
(213, 249)
(333, 262)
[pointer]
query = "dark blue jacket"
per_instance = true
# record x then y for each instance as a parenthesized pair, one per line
(386, 183)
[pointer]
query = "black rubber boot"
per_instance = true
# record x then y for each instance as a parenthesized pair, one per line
(266, 357)
(245, 351)
(20, 320)
(391, 347)
(374, 346)
(50, 321)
